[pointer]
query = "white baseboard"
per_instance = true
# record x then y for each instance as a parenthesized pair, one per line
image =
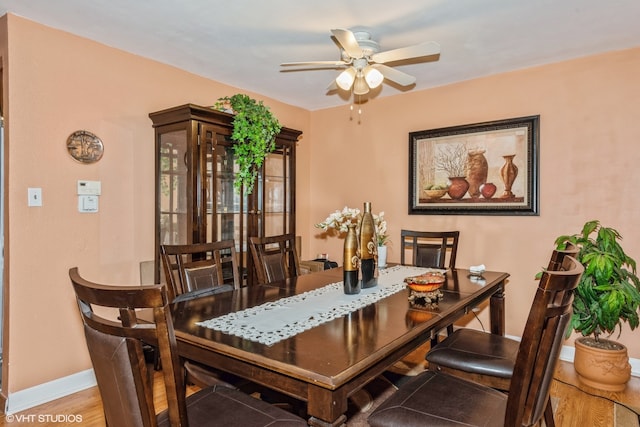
(52, 390)
(43, 393)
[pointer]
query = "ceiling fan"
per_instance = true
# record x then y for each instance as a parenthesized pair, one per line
(364, 64)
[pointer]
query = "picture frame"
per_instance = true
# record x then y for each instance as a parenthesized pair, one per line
(498, 161)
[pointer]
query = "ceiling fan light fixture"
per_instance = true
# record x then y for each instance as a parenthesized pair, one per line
(345, 79)
(373, 77)
(360, 87)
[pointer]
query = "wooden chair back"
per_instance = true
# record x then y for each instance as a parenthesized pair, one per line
(115, 347)
(429, 248)
(199, 266)
(557, 257)
(275, 257)
(541, 343)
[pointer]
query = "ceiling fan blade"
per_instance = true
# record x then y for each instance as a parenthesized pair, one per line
(332, 86)
(323, 63)
(348, 42)
(409, 52)
(399, 77)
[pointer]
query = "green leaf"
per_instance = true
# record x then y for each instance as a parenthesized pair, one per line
(609, 290)
(254, 131)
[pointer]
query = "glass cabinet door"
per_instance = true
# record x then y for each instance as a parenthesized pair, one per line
(227, 209)
(174, 187)
(276, 202)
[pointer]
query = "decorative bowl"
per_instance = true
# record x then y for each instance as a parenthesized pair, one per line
(427, 282)
(436, 194)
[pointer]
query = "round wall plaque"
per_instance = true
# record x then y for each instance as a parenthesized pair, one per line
(85, 147)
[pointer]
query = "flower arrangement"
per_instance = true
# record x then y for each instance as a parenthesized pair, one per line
(339, 222)
(381, 229)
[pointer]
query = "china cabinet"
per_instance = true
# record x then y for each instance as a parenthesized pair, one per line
(195, 197)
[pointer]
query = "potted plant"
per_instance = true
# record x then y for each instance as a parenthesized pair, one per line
(608, 295)
(254, 131)
(382, 237)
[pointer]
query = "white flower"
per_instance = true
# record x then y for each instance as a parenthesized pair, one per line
(381, 229)
(339, 222)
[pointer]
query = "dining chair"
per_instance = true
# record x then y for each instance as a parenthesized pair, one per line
(439, 398)
(484, 357)
(275, 257)
(429, 248)
(124, 381)
(193, 269)
(307, 266)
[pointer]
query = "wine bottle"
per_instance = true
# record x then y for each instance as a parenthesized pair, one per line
(351, 262)
(368, 248)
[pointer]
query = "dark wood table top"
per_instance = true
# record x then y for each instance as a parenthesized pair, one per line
(332, 355)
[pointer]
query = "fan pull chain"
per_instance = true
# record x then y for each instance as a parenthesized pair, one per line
(359, 110)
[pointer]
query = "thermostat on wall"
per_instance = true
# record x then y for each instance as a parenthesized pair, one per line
(88, 192)
(89, 188)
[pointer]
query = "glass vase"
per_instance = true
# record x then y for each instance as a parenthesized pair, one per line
(382, 256)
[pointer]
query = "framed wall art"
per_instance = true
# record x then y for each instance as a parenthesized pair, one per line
(488, 168)
(85, 147)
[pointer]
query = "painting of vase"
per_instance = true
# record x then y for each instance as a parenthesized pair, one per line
(478, 168)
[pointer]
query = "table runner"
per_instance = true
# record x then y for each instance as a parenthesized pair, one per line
(278, 320)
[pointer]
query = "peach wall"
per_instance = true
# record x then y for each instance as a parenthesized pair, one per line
(59, 83)
(589, 136)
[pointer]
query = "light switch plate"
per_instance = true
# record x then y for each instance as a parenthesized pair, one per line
(87, 204)
(35, 196)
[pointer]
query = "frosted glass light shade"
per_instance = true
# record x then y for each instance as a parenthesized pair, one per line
(360, 86)
(373, 77)
(345, 79)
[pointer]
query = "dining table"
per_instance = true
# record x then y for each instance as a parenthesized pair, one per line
(334, 351)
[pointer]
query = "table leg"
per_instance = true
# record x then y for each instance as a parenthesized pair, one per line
(324, 405)
(496, 311)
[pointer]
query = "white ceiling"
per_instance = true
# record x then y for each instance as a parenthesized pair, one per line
(243, 42)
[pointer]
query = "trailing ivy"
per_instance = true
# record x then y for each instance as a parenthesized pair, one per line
(254, 131)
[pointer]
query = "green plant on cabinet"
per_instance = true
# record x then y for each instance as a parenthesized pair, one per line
(254, 131)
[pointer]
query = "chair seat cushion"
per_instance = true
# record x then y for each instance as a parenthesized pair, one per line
(420, 402)
(224, 406)
(203, 292)
(477, 352)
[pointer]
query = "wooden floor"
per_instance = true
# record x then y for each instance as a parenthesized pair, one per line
(578, 405)
(581, 405)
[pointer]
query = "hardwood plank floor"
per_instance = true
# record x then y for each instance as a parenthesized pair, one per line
(581, 405)
(578, 405)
